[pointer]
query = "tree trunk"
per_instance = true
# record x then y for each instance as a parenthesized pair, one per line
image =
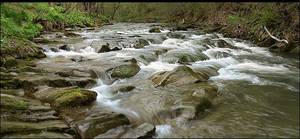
(116, 7)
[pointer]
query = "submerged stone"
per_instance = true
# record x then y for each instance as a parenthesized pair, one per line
(140, 43)
(100, 123)
(179, 76)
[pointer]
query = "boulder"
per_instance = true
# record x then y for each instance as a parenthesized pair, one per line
(154, 30)
(104, 48)
(140, 43)
(116, 49)
(223, 44)
(99, 123)
(17, 49)
(77, 58)
(175, 35)
(122, 88)
(179, 76)
(183, 56)
(60, 82)
(144, 130)
(67, 97)
(73, 72)
(195, 99)
(22, 117)
(126, 88)
(74, 97)
(126, 70)
(64, 47)
(160, 51)
(54, 49)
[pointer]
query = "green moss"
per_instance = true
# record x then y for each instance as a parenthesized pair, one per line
(9, 62)
(125, 71)
(15, 50)
(71, 97)
(14, 103)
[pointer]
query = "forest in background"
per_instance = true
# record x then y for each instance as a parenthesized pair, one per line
(24, 21)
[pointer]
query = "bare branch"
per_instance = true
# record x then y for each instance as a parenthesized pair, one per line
(275, 38)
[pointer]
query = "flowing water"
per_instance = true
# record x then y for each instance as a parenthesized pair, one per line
(258, 91)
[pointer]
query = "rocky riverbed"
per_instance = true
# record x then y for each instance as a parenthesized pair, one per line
(141, 80)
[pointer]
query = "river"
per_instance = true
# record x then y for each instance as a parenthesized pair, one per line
(258, 91)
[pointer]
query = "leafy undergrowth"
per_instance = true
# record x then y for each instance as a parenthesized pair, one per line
(27, 20)
(21, 22)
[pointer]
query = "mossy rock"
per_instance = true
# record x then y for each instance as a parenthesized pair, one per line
(11, 102)
(140, 43)
(154, 30)
(183, 56)
(181, 75)
(85, 83)
(100, 123)
(125, 70)
(59, 83)
(29, 69)
(11, 84)
(17, 126)
(175, 35)
(17, 48)
(66, 83)
(8, 61)
(223, 44)
(70, 97)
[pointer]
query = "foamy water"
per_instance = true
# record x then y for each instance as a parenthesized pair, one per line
(233, 65)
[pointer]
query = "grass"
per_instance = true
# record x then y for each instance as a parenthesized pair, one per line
(21, 19)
